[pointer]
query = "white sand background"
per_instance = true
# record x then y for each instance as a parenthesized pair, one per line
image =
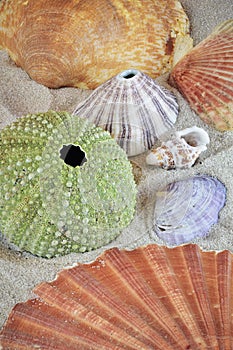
(19, 95)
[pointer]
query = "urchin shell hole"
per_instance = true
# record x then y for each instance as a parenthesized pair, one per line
(73, 155)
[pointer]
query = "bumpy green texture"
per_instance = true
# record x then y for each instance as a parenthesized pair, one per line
(50, 208)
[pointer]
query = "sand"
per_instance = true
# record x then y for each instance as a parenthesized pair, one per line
(19, 95)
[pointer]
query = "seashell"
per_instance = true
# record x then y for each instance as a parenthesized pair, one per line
(186, 209)
(133, 108)
(72, 43)
(205, 77)
(150, 298)
(61, 185)
(181, 151)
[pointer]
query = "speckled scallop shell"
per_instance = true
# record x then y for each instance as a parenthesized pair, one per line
(75, 43)
(62, 185)
(181, 151)
(186, 209)
(150, 298)
(205, 77)
(133, 108)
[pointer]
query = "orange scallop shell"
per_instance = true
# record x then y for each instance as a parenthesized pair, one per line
(150, 298)
(84, 43)
(205, 77)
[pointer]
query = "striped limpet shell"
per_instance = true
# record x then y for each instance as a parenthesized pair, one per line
(133, 108)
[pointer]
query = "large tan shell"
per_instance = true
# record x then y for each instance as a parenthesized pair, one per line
(84, 43)
(149, 298)
(205, 77)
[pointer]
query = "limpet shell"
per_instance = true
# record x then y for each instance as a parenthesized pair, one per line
(133, 108)
(150, 298)
(181, 151)
(205, 77)
(186, 209)
(73, 43)
(62, 185)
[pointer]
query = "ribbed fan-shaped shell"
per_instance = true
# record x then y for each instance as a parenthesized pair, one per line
(133, 108)
(48, 205)
(81, 43)
(205, 77)
(150, 298)
(187, 209)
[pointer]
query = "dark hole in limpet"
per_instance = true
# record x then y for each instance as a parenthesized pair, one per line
(130, 75)
(73, 155)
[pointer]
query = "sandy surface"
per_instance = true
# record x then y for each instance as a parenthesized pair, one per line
(19, 95)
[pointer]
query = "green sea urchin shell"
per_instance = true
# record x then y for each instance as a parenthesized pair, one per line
(51, 208)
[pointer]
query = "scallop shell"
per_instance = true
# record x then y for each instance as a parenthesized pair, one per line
(150, 298)
(181, 151)
(73, 43)
(133, 108)
(205, 77)
(61, 185)
(186, 209)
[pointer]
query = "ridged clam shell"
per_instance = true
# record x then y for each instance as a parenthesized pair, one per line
(186, 209)
(181, 151)
(73, 43)
(133, 108)
(49, 206)
(150, 298)
(205, 77)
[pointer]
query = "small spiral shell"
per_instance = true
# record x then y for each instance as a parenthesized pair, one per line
(181, 151)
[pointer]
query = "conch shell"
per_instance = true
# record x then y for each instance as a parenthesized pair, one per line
(150, 298)
(205, 77)
(181, 151)
(83, 43)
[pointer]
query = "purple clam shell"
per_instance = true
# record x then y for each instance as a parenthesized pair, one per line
(187, 209)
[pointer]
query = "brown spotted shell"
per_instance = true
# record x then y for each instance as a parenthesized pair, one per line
(83, 44)
(150, 298)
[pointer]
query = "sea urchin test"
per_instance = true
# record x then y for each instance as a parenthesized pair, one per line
(66, 185)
